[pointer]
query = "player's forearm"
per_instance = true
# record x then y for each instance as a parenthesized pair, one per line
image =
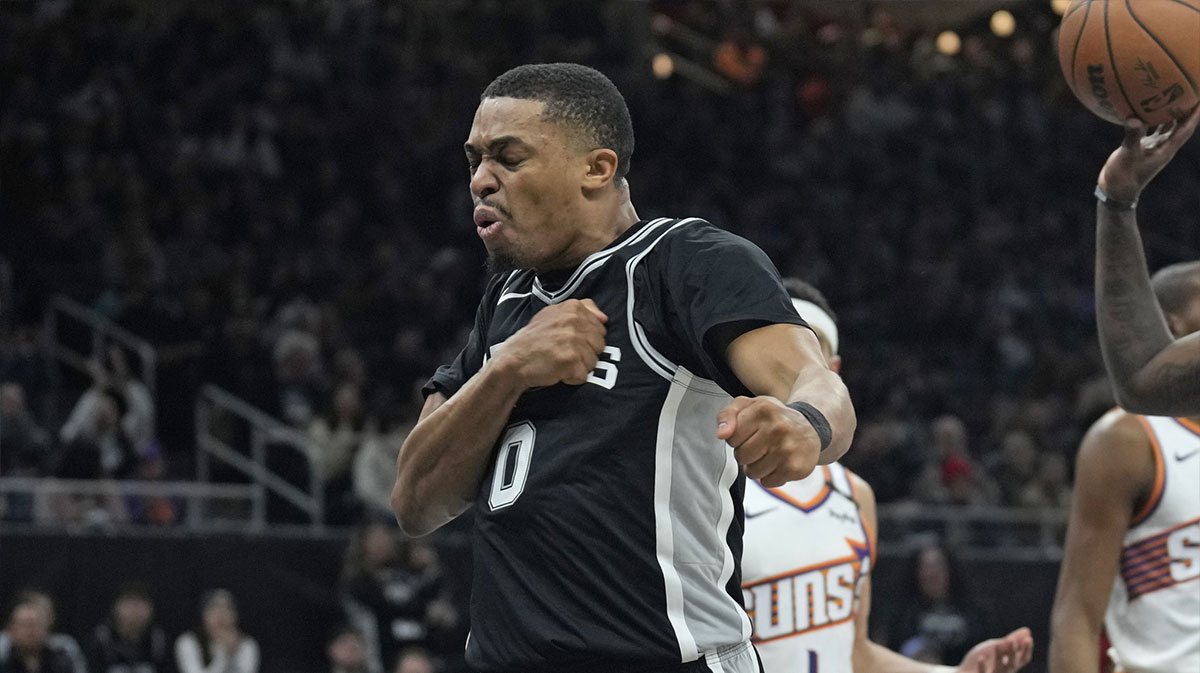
(872, 657)
(1131, 324)
(446, 455)
(1074, 644)
(825, 390)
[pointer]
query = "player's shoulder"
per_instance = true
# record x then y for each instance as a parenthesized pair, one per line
(697, 231)
(862, 491)
(1117, 427)
(693, 244)
(1118, 441)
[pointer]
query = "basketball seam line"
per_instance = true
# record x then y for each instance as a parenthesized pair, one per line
(1183, 4)
(1078, 39)
(1113, 62)
(1163, 47)
(1076, 9)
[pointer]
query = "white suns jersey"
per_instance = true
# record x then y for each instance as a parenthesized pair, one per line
(1153, 617)
(805, 549)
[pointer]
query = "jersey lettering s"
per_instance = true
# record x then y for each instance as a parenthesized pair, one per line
(1183, 548)
(604, 375)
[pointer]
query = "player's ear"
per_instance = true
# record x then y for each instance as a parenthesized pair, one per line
(601, 168)
(835, 363)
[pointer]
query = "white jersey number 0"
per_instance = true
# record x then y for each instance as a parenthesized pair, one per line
(512, 465)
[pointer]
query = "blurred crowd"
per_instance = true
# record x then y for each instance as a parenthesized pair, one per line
(274, 195)
(396, 615)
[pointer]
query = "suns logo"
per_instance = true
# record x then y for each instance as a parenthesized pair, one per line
(806, 599)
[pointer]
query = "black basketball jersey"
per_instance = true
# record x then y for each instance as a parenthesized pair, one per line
(608, 531)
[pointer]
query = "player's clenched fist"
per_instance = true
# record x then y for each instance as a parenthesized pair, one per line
(775, 444)
(559, 345)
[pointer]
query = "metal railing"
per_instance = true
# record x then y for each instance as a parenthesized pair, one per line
(102, 331)
(998, 533)
(38, 502)
(215, 406)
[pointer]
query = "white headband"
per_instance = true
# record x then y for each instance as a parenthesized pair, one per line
(819, 320)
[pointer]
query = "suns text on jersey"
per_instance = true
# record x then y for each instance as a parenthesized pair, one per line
(805, 599)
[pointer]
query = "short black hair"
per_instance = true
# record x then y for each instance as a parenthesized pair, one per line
(798, 289)
(1176, 285)
(578, 97)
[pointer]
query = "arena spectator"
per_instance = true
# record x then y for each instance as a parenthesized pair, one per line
(1014, 465)
(347, 651)
(934, 614)
(129, 641)
(338, 434)
(25, 449)
(112, 423)
(402, 587)
(414, 660)
(375, 464)
(28, 645)
(26, 446)
(217, 645)
(153, 510)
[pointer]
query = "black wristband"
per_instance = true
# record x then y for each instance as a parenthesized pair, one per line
(816, 419)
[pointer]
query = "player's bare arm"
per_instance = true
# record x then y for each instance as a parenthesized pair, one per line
(777, 444)
(442, 461)
(1150, 371)
(996, 655)
(1114, 470)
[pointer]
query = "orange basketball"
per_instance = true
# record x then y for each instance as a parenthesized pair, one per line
(1133, 58)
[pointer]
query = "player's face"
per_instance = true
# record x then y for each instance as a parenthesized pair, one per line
(525, 182)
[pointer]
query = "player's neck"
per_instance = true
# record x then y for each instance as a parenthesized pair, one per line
(600, 226)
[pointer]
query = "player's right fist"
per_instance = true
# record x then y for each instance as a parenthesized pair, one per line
(559, 345)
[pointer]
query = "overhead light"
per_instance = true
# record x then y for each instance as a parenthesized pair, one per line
(1060, 6)
(663, 65)
(949, 43)
(1003, 23)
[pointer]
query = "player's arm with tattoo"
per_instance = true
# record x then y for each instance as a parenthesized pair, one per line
(1115, 469)
(447, 454)
(1151, 372)
(783, 364)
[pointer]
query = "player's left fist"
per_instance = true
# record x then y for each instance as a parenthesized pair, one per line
(774, 444)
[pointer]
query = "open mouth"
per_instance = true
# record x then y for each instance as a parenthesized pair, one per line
(487, 221)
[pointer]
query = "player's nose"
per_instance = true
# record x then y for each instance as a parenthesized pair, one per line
(483, 182)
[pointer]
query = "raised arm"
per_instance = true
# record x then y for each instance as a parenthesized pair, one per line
(446, 456)
(1151, 372)
(783, 364)
(1114, 468)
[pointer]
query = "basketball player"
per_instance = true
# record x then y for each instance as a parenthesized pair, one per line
(809, 548)
(1132, 557)
(590, 416)
(1151, 372)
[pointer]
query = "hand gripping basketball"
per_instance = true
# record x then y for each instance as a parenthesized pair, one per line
(773, 443)
(1143, 154)
(559, 345)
